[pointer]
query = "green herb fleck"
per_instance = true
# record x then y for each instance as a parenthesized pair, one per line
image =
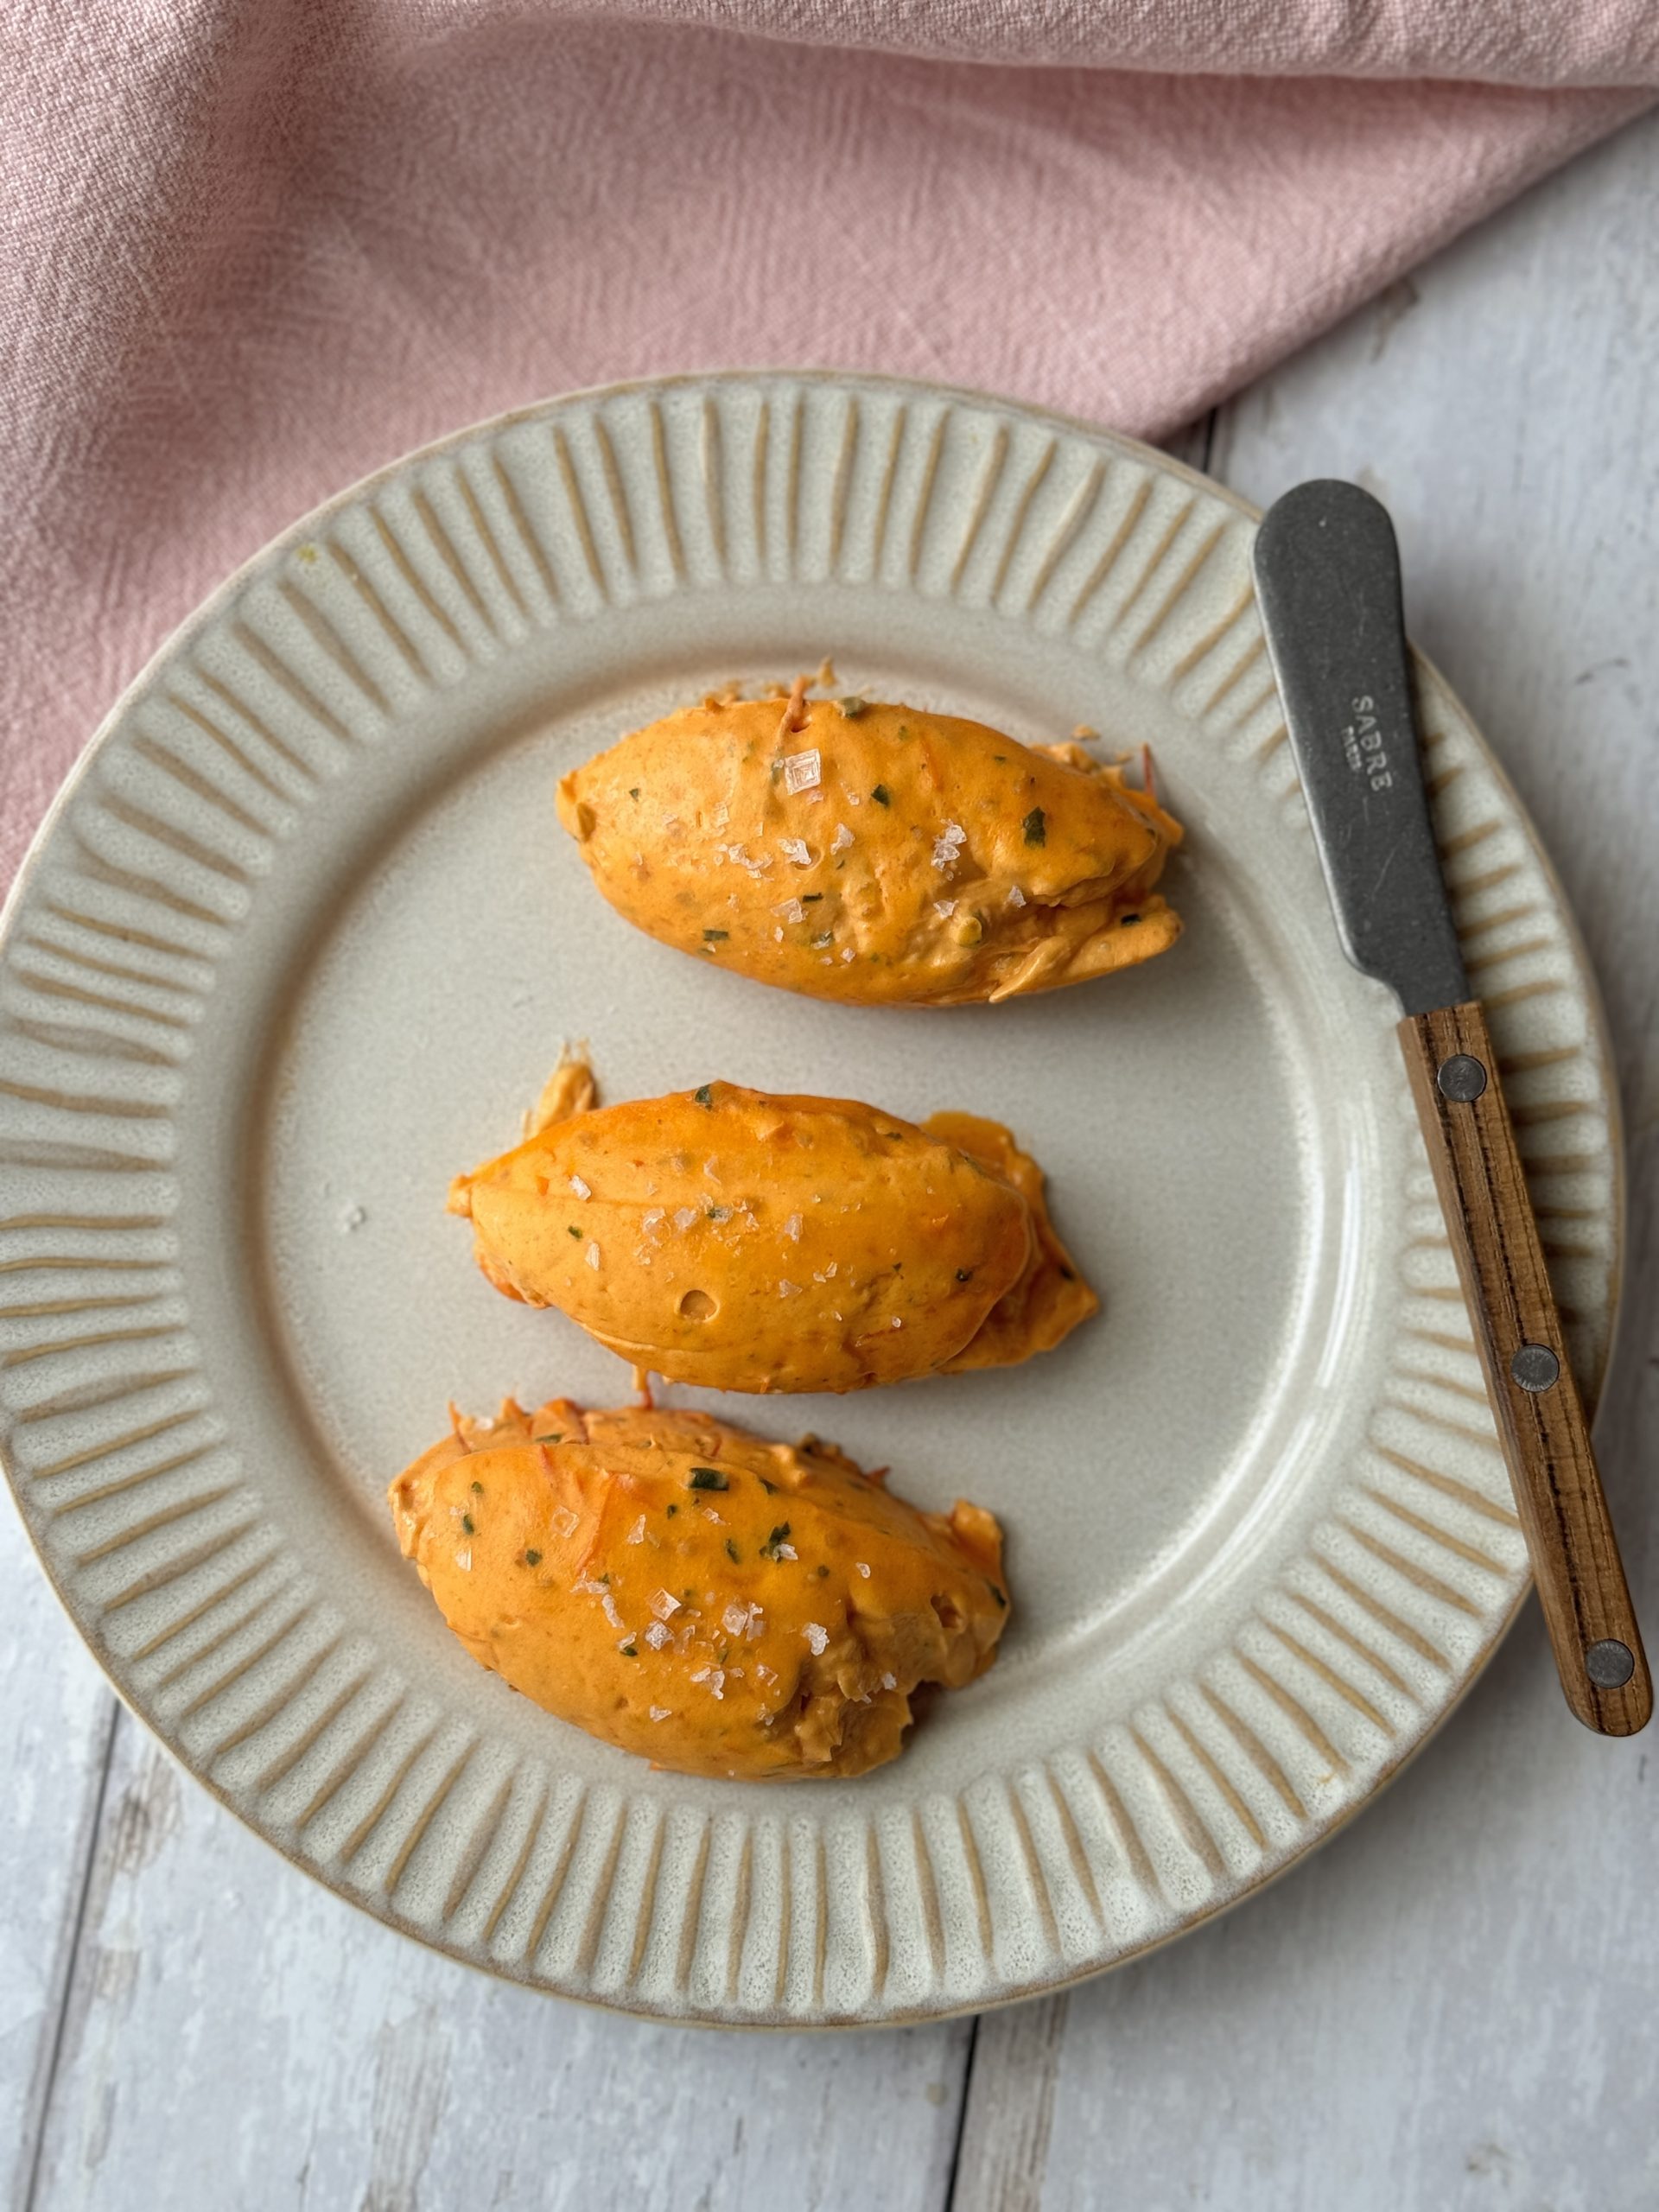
(1000, 759)
(630, 1651)
(823, 1575)
(478, 1490)
(853, 707)
(716, 936)
(903, 733)
(706, 1479)
(779, 1535)
(1036, 827)
(882, 796)
(733, 1553)
(672, 1510)
(997, 1594)
(704, 1096)
(532, 1559)
(576, 1233)
(771, 1489)
(1127, 921)
(810, 898)
(553, 1436)
(720, 1213)
(634, 791)
(467, 1523)
(605, 1581)
(964, 1274)
(725, 1654)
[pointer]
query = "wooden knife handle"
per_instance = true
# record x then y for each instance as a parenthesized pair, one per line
(1541, 1420)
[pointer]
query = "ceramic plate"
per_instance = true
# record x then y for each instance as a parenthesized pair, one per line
(302, 938)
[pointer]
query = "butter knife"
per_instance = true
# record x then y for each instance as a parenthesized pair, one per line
(1327, 581)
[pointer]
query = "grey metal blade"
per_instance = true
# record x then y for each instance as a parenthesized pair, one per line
(1327, 580)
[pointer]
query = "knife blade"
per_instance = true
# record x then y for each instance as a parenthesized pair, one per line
(1327, 578)
(1327, 581)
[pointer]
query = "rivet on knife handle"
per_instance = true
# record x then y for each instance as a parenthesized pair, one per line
(1327, 577)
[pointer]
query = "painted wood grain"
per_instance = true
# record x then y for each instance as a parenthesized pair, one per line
(56, 1715)
(1008, 2112)
(234, 2036)
(1451, 2008)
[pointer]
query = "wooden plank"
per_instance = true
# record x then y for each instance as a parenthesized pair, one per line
(1008, 2116)
(237, 2036)
(1452, 2004)
(57, 1716)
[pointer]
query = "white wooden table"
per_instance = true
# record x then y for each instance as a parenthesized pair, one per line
(1455, 2006)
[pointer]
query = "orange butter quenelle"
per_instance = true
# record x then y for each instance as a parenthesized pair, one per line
(880, 855)
(678, 1587)
(740, 1239)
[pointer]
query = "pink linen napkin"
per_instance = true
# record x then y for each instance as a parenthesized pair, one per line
(257, 248)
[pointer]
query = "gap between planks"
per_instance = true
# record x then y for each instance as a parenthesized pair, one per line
(29, 2169)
